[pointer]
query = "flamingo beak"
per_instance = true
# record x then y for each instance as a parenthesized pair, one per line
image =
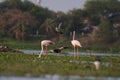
(52, 43)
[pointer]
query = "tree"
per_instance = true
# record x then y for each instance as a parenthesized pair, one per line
(48, 27)
(105, 32)
(75, 20)
(16, 23)
(98, 9)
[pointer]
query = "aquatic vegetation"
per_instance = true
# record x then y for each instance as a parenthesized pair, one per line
(24, 64)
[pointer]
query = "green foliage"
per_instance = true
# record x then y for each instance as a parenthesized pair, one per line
(16, 22)
(99, 8)
(48, 26)
(76, 18)
(105, 32)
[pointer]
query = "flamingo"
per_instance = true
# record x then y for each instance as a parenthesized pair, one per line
(58, 29)
(38, 2)
(75, 44)
(45, 43)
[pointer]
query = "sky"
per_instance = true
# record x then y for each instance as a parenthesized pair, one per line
(62, 5)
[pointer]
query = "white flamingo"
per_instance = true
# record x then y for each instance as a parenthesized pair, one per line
(45, 43)
(75, 44)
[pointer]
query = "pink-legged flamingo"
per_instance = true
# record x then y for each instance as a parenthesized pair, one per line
(45, 43)
(75, 44)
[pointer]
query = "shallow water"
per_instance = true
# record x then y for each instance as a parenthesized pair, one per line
(58, 77)
(71, 53)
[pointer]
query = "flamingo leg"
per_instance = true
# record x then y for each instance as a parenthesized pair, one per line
(39, 55)
(77, 53)
(46, 51)
(74, 51)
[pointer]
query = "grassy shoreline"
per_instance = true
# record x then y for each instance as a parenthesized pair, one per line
(34, 44)
(23, 64)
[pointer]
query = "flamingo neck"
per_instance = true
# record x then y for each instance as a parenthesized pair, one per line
(59, 25)
(41, 49)
(73, 35)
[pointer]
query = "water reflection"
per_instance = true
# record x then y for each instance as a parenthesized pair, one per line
(58, 77)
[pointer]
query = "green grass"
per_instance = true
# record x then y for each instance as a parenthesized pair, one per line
(23, 64)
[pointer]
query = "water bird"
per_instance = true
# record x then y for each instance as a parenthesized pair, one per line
(38, 2)
(97, 62)
(58, 50)
(58, 30)
(45, 43)
(75, 44)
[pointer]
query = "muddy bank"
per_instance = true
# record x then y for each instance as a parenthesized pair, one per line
(4, 48)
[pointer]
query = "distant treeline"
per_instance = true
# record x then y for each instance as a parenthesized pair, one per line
(98, 22)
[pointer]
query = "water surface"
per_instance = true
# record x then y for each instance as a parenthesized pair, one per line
(70, 53)
(58, 77)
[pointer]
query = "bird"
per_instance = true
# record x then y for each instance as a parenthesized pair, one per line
(97, 62)
(58, 50)
(58, 30)
(38, 2)
(75, 44)
(45, 43)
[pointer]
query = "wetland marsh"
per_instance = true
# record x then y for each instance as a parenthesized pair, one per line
(16, 64)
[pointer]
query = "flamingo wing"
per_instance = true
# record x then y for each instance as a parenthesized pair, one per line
(46, 42)
(76, 43)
